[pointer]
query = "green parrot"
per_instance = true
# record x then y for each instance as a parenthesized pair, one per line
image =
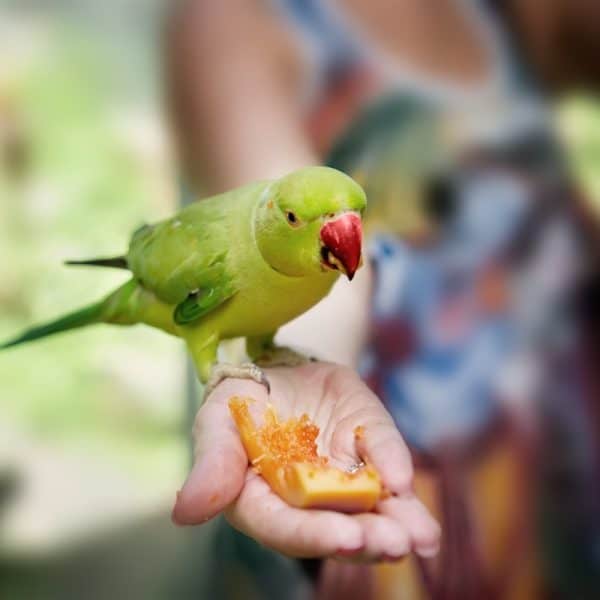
(240, 264)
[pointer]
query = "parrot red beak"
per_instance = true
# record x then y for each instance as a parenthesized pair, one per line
(342, 239)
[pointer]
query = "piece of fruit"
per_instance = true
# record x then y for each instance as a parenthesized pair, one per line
(285, 455)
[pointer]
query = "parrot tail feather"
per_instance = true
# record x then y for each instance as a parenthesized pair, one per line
(86, 316)
(116, 262)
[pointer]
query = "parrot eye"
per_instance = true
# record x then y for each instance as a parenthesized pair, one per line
(292, 219)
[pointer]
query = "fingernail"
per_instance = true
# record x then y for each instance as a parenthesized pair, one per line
(428, 552)
(391, 557)
(346, 552)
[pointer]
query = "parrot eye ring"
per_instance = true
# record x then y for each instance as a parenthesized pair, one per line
(292, 219)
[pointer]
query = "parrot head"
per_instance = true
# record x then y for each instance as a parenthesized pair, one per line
(310, 222)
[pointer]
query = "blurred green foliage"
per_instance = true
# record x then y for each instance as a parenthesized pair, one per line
(83, 164)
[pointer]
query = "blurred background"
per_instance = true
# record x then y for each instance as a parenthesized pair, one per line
(93, 427)
(92, 433)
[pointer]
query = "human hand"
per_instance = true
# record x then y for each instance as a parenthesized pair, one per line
(337, 401)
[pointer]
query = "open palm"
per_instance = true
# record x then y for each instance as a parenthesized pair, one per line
(337, 400)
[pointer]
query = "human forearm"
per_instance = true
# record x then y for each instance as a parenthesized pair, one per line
(234, 100)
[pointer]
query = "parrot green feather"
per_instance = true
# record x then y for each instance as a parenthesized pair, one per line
(233, 265)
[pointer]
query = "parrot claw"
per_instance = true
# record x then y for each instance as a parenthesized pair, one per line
(257, 374)
(222, 371)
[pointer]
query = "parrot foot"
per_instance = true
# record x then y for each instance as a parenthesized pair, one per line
(282, 356)
(221, 371)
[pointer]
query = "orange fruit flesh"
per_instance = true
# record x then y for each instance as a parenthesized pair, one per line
(285, 455)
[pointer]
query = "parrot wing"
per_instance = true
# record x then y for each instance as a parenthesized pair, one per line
(183, 260)
(199, 303)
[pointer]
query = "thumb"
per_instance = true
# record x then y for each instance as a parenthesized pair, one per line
(220, 466)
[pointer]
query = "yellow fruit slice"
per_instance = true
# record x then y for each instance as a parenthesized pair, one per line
(285, 455)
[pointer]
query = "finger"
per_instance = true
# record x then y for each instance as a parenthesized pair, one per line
(342, 444)
(220, 465)
(371, 435)
(379, 442)
(262, 515)
(385, 538)
(423, 530)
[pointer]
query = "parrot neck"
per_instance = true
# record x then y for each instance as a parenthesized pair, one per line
(258, 211)
(261, 216)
